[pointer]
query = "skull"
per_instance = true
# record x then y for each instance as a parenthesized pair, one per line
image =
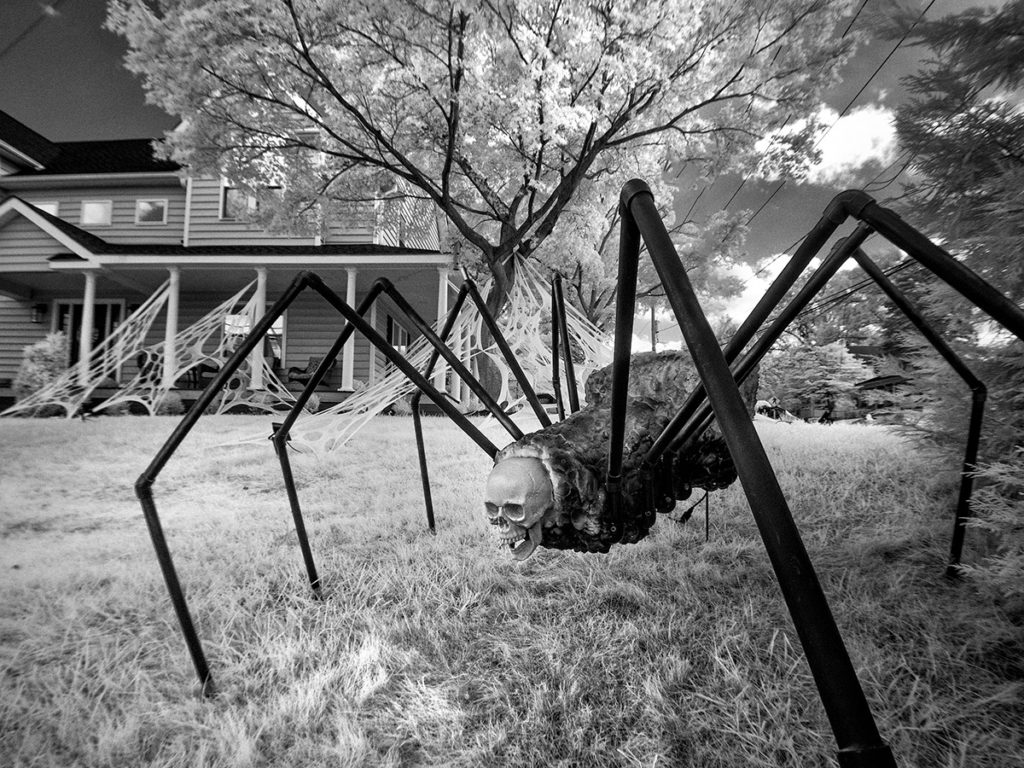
(518, 494)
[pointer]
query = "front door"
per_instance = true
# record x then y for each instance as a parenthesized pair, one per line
(107, 316)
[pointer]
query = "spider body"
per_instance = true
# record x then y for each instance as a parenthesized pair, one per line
(574, 509)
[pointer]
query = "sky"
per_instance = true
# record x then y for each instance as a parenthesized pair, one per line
(61, 74)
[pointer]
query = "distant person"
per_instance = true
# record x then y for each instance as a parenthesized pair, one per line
(826, 416)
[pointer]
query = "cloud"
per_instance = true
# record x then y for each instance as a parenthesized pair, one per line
(864, 139)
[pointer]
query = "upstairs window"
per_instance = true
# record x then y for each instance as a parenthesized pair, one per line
(151, 211)
(96, 213)
(50, 206)
(236, 203)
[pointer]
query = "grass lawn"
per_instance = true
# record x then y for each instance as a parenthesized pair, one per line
(441, 651)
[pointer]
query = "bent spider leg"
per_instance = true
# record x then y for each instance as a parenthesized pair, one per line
(145, 481)
(844, 701)
(556, 376)
(696, 413)
(282, 431)
(683, 426)
(144, 484)
(506, 352)
(558, 310)
(417, 423)
(979, 393)
(452, 359)
(629, 263)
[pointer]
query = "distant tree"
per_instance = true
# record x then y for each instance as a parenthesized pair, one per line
(964, 129)
(503, 116)
(805, 376)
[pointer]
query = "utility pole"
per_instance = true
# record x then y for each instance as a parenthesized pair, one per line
(654, 331)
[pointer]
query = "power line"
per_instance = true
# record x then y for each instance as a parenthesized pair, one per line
(46, 11)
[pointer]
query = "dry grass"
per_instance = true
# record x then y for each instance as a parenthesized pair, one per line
(438, 650)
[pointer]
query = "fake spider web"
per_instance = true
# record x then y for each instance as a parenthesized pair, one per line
(523, 322)
(203, 347)
(71, 390)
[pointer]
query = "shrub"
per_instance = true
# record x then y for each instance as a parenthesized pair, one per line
(313, 404)
(41, 363)
(998, 508)
(171, 405)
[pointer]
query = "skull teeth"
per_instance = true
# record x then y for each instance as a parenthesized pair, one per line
(511, 541)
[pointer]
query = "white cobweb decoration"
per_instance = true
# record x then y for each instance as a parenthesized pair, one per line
(204, 346)
(522, 321)
(70, 390)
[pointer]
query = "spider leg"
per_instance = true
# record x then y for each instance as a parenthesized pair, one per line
(506, 351)
(845, 705)
(629, 263)
(560, 333)
(417, 419)
(979, 393)
(145, 481)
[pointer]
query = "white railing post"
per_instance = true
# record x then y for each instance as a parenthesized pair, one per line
(86, 330)
(259, 310)
(348, 352)
(171, 329)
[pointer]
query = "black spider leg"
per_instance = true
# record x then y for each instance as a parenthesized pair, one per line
(468, 289)
(144, 484)
(696, 414)
(979, 393)
(562, 327)
(506, 351)
(383, 286)
(690, 423)
(845, 705)
(417, 417)
(556, 376)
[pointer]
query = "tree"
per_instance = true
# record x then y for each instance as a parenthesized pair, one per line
(499, 113)
(964, 130)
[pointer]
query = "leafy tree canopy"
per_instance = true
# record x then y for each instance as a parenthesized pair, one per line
(504, 115)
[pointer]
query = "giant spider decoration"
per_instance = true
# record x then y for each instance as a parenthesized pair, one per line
(602, 474)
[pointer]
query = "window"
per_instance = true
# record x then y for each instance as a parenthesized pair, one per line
(236, 203)
(151, 211)
(50, 206)
(96, 212)
(397, 336)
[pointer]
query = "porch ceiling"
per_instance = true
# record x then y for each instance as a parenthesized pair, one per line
(138, 282)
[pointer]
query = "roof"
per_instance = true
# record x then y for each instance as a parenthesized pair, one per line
(81, 157)
(25, 140)
(113, 156)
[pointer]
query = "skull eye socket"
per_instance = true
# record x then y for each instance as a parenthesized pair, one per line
(490, 509)
(514, 512)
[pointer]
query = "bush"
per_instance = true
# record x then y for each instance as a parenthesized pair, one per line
(998, 508)
(41, 363)
(171, 405)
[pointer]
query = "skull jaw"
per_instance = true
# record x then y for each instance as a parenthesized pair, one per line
(521, 549)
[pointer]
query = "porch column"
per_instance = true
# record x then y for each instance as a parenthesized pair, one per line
(256, 356)
(88, 321)
(442, 315)
(348, 351)
(171, 328)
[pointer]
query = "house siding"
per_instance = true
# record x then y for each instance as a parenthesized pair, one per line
(24, 247)
(122, 228)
